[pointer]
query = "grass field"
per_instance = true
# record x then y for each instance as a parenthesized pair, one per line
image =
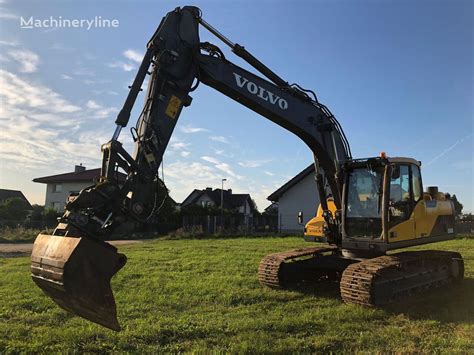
(197, 295)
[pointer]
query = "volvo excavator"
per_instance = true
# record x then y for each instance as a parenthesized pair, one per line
(368, 207)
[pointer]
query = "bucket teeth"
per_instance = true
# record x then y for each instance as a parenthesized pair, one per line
(76, 274)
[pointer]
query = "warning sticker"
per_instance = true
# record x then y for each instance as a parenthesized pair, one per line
(173, 107)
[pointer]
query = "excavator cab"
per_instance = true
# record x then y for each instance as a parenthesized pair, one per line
(385, 208)
(76, 272)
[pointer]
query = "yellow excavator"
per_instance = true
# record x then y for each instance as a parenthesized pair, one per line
(367, 206)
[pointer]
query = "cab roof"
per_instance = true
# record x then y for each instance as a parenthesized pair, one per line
(404, 160)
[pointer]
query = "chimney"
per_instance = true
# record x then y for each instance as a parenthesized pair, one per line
(229, 191)
(209, 189)
(79, 168)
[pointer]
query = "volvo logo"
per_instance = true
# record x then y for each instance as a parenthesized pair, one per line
(261, 92)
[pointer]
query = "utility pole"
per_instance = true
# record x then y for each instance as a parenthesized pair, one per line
(222, 205)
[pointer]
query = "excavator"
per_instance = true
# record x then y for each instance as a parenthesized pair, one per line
(368, 207)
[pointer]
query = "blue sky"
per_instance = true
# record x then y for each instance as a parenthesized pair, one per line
(397, 74)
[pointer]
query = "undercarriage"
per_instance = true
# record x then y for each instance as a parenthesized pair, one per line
(377, 281)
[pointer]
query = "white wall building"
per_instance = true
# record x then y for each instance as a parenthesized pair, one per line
(59, 187)
(298, 194)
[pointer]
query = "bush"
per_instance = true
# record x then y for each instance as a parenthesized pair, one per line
(19, 234)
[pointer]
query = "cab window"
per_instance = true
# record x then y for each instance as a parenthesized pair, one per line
(416, 183)
(400, 202)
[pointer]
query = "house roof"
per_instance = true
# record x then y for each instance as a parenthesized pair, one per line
(271, 207)
(275, 196)
(230, 200)
(7, 194)
(81, 176)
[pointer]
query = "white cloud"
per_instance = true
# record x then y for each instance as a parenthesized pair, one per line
(27, 59)
(183, 177)
(125, 66)
(210, 160)
(7, 15)
(228, 170)
(133, 55)
(60, 47)
(81, 71)
(99, 111)
(185, 153)
(220, 139)
(105, 112)
(269, 173)
(253, 163)
(17, 92)
(190, 129)
(92, 105)
(4, 58)
(66, 77)
(9, 43)
(224, 167)
(108, 92)
(92, 82)
(41, 130)
(179, 145)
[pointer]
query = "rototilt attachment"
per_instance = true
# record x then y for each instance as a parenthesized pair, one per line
(76, 273)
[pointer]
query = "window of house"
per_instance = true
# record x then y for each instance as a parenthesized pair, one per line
(56, 205)
(57, 188)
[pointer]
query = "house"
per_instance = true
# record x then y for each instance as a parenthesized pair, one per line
(271, 209)
(59, 187)
(9, 194)
(241, 203)
(298, 194)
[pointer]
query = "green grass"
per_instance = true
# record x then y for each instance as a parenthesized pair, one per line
(198, 295)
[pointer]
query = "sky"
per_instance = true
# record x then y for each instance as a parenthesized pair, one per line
(398, 75)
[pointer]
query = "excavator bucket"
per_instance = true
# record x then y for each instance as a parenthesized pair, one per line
(76, 273)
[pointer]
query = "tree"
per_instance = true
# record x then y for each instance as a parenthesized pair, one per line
(457, 206)
(13, 209)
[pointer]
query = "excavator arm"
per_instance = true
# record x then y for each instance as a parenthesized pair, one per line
(74, 265)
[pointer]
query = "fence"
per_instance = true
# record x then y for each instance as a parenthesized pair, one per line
(230, 224)
(207, 225)
(465, 227)
(28, 223)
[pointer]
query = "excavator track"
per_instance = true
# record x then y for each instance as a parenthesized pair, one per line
(399, 277)
(272, 272)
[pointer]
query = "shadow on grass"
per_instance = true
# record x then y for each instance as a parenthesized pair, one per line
(322, 288)
(451, 304)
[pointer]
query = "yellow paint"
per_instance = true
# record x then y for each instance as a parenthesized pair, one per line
(173, 107)
(421, 221)
(419, 225)
(403, 231)
(315, 226)
(425, 216)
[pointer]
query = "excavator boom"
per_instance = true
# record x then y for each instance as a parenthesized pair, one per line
(74, 265)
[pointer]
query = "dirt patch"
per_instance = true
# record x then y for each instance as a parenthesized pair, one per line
(12, 250)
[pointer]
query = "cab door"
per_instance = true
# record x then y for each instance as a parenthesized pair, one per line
(422, 218)
(401, 222)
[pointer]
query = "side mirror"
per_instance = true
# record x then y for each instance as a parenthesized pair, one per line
(300, 217)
